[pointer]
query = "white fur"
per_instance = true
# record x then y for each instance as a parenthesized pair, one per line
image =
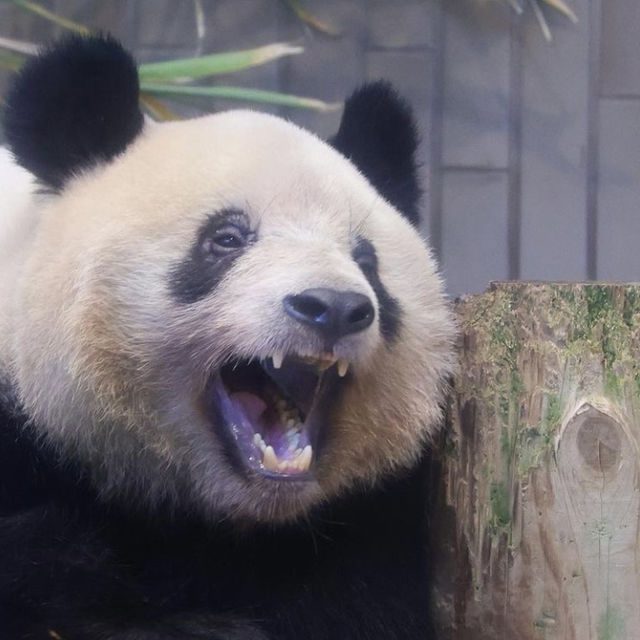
(18, 218)
(109, 364)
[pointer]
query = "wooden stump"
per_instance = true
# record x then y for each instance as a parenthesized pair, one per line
(541, 485)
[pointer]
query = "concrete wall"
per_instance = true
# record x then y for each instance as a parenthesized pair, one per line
(531, 150)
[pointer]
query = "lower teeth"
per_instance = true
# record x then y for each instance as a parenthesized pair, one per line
(296, 459)
(300, 463)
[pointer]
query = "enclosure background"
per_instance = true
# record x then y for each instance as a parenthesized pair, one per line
(531, 151)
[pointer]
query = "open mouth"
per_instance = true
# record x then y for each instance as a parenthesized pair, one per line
(273, 414)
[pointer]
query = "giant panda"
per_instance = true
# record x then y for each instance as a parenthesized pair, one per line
(223, 349)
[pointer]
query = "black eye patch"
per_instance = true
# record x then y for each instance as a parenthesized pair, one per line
(221, 240)
(364, 254)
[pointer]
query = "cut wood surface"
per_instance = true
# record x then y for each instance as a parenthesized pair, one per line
(539, 521)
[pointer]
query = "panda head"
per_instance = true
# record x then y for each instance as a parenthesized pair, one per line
(226, 312)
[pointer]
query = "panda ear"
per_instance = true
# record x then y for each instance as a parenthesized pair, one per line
(378, 134)
(72, 106)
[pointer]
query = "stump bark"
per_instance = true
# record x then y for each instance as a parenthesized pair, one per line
(540, 509)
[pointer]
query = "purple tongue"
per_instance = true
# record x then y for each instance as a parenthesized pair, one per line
(241, 427)
(252, 405)
(247, 414)
(264, 421)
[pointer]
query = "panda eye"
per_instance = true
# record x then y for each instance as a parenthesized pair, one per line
(228, 240)
(224, 240)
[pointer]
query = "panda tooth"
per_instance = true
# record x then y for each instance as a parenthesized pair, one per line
(343, 367)
(304, 459)
(270, 459)
(259, 442)
(277, 359)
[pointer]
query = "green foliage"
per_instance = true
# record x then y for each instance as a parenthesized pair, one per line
(214, 64)
(536, 6)
(313, 21)
(176, 77)
(238, 93)
(500, 508)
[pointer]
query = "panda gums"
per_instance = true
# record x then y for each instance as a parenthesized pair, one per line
(222, 346)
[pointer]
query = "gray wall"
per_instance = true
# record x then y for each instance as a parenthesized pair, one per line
(531, 151)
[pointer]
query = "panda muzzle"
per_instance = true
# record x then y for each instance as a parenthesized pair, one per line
(273, 416)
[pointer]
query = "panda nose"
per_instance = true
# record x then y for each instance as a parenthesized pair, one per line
(332, 313)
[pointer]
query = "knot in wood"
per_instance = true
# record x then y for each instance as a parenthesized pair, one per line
(599, 441)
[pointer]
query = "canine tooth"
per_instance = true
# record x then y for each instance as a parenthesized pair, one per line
(343, 367)
(257, 439)
(304, 459)
(277, 360)
(270, 459)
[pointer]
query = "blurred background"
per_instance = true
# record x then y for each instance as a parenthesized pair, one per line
(529, 110)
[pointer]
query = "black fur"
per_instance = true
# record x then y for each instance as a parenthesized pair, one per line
(92, 571)
(201, 270)
(73, 106)
(75, 567)
(365, 255)
(378, 134)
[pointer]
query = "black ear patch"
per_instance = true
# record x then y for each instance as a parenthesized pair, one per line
(72, 106)
(378, 134)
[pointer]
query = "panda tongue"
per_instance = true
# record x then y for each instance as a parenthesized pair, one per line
(262, 419)
(252, 405)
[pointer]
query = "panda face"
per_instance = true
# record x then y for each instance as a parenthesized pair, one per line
(229, 316)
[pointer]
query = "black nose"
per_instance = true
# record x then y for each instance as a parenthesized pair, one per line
(333, 314)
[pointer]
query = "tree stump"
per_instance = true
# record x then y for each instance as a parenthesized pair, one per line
(540, 506)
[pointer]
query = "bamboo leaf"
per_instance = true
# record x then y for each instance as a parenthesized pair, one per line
(38, 9)
(19, 46)
(544, 26)
(516, 6)
(562, 7)
(215, 63)
(308, 18)
(201, 22)
(240, 93)
(156, 109)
